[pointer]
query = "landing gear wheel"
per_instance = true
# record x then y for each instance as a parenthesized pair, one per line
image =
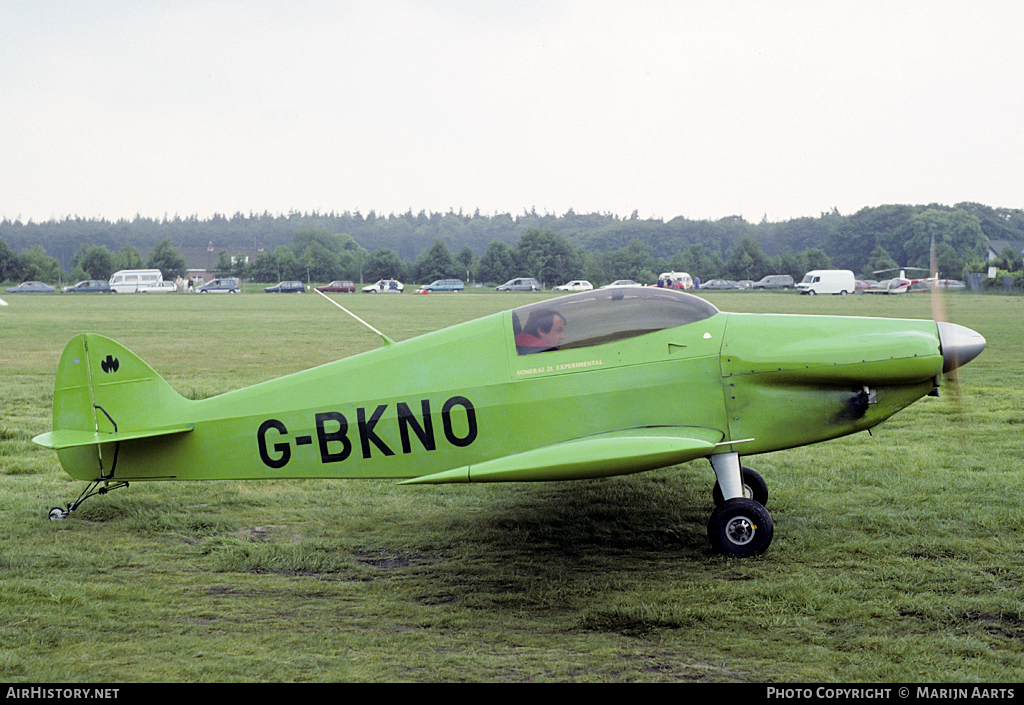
(56, 514)
(754, 487)
(740, 527)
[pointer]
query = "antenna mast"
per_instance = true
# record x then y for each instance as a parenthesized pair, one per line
(387, 340)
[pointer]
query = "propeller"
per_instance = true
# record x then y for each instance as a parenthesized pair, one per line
(959, 344)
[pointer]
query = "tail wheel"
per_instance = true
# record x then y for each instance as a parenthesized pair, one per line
(740, 527)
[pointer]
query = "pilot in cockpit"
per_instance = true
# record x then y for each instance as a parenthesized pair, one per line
(544, 330)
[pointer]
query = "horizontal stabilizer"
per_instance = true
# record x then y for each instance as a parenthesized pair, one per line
(604, 455)
(70, 438)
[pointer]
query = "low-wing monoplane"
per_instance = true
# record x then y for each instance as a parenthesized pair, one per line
(655, 377)
(900, 284)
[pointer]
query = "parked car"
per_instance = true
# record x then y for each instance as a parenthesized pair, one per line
(285, 288)
(164, 287)
(621, 282)
(338, 287)
(775, 281)
(576, 285)
(220, 286)
(744, 284)
(520, 284)
(31, 288)
(721, 284)
(89, 286)
(442, 285)
(385, 286)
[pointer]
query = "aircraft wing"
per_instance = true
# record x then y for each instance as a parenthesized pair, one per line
(603, 455)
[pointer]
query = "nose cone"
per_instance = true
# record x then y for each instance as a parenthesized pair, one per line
(959, 345)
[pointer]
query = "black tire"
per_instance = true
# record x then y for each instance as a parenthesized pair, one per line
(754, 487)
(740, 528)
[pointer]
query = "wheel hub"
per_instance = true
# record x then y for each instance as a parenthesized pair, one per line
(740, 530)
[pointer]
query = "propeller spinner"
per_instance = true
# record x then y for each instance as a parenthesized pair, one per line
(959, 345)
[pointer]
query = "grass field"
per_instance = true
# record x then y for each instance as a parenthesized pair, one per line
(897, 557)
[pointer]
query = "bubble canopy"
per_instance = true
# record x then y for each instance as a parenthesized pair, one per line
(605, 315)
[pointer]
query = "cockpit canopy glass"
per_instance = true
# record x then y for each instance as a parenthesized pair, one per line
(602, 316)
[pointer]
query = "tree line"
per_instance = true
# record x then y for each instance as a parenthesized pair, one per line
(491, 249)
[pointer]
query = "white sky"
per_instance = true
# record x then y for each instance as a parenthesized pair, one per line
(782, 108)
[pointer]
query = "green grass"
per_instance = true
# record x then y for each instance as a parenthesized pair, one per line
(897, 557)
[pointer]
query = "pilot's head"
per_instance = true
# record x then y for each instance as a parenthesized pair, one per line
(548, 325)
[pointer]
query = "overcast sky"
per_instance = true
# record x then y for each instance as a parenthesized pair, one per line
(777, 108)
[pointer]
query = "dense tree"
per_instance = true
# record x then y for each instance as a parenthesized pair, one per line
(383, 263)
(879, 262)
(497, 264)
(166, 258)
(265, 268)
(747, 260)
(547, 257)
(224, 263)
(697, 263)
(10, 266)
(94, 262)
(37, 265)
(960, 230)
(634, 261)
(949, 264)
(128, 257)
(288, 265)
(1009, 259)
(465, 260)
(436, 263)
(319, 263)
(816, 259)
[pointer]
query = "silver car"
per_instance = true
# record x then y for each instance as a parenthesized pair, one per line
(520, 284)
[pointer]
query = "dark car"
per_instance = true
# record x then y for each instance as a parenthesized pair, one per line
(220, 286)
(89, 286)
(442, 285)
(521, 284)
(31, 288)
(286, 288)
(338, 287)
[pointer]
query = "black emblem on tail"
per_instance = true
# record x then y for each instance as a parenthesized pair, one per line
(110, 364)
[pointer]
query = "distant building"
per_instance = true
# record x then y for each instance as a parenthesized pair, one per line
(996, 247)
(202, 261)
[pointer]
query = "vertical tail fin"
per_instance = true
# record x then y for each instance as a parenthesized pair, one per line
(105, 394)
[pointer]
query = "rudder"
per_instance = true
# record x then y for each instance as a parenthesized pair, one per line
(105, 394)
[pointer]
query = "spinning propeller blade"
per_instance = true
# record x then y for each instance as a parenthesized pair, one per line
(959, 345)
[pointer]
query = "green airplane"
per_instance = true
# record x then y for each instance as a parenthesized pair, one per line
(589, 385)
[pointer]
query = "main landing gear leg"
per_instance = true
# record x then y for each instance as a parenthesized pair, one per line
(92, 489)
(739, 525)
(730, 477)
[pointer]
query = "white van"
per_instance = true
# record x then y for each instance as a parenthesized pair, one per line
(675, 280)
(828, 281)
(129, 281)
